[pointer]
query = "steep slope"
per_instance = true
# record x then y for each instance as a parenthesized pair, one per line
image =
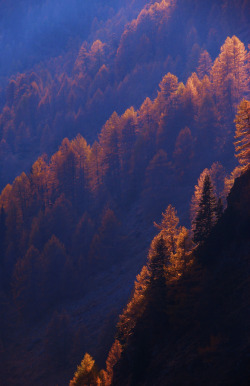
(86, 71)
(78, 219)
(205, 336)
(32, 32)
(87, 208)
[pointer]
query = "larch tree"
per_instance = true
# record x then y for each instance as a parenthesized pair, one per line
(242, 134)
(113, 357)
(217, 173)
(184, 151)
(109, 141)
(179, 260)
(193, 86)
(136, 306)
(157, 259)
(207, 116)
(81, 61)
(156, 291)
(95, 169)
(229, 73)
(168, 87)
(168, 227)
(205, 64)
(229, 180)
(81, 153)
(66, 169)
(127, 138)
(194, 206)
(146, 118)
(38, 175)
(86, 373)
(162, 247)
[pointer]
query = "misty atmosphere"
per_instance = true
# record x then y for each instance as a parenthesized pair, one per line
(124, 193)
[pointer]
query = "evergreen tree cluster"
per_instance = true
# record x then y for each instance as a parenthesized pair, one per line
(209, 211)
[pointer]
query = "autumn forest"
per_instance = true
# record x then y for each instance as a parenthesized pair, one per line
(124, 193)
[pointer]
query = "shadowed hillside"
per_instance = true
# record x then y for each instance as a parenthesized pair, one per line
(200, 334)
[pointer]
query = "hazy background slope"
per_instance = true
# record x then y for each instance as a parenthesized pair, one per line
(71, 66)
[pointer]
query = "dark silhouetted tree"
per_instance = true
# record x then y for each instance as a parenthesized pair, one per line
(158, 257)
(204, 220)
(196, 198)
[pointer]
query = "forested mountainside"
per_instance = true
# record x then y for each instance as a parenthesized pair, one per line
(128, 113)
(32, 31)
(188, 320)
(113, 61)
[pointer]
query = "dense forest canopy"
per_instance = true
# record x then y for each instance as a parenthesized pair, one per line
(111, 114)
(74, 87)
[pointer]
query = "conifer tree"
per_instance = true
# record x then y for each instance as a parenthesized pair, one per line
(184, 151)
(204, 220)
(205, 64)
(136, 306)
(242, 134)
(158, 259)
(168, 227)
(179, 259)
(162, 248)
(113, 357)
(86, 373)
(168, 87)
(196, 198)
(109, 141)
(156, 291)
(229, 73)
(217, 176)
